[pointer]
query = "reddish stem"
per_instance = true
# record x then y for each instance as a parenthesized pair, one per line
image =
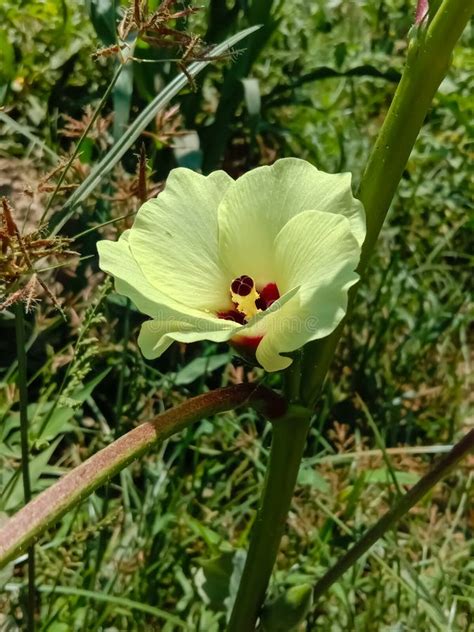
(26, 526)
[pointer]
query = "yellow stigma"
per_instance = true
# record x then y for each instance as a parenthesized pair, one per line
(244, 296)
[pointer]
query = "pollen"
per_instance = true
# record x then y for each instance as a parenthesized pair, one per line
(245, 296)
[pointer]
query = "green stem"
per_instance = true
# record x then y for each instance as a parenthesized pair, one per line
(25, 527)
(25, 451)
(428, 60)
(444, 467)
(288, 441)
(292, 380)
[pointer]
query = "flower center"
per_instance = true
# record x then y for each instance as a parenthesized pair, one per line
(245, 296)
(247, 300)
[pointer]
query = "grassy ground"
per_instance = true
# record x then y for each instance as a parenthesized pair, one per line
(161, 547)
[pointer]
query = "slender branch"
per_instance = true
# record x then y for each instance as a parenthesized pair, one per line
(25, 450)
(23, 392)
(78, 146)
(288, 442)
(442, 469)
(428, 59)
(325, 72)
(29, 523)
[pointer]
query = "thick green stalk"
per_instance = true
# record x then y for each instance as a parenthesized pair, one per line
(428, 60)
(25, 449)
(442, 468)
(288, 441)
(25, 527)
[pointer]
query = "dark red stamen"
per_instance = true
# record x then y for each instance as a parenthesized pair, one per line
(233, 315)
(242, 285)
(268, 295)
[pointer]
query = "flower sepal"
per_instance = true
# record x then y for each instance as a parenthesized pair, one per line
(246, 347)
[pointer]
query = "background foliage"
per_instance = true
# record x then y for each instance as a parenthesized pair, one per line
(152, 550)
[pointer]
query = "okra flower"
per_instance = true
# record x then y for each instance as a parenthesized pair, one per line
(264, 262)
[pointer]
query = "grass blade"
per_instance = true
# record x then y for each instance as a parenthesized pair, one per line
(123, 602)
(26, 132)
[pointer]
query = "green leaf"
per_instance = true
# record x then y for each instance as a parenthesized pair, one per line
(122, 96)
(102, 15)
(187, 151)
(340, 52)
(58, 423)
(47, 420)
(312, 478)
(14, 498)
(25, 131)
(201, 367)
(119, 602)
(288, 610)
(85, 391)
(216, 136)
(218, 578)
(7, 59)
(64, 411)
(211, 538)
(252, 96)
(384, 476)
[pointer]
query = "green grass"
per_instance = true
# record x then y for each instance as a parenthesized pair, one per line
(164, 542)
